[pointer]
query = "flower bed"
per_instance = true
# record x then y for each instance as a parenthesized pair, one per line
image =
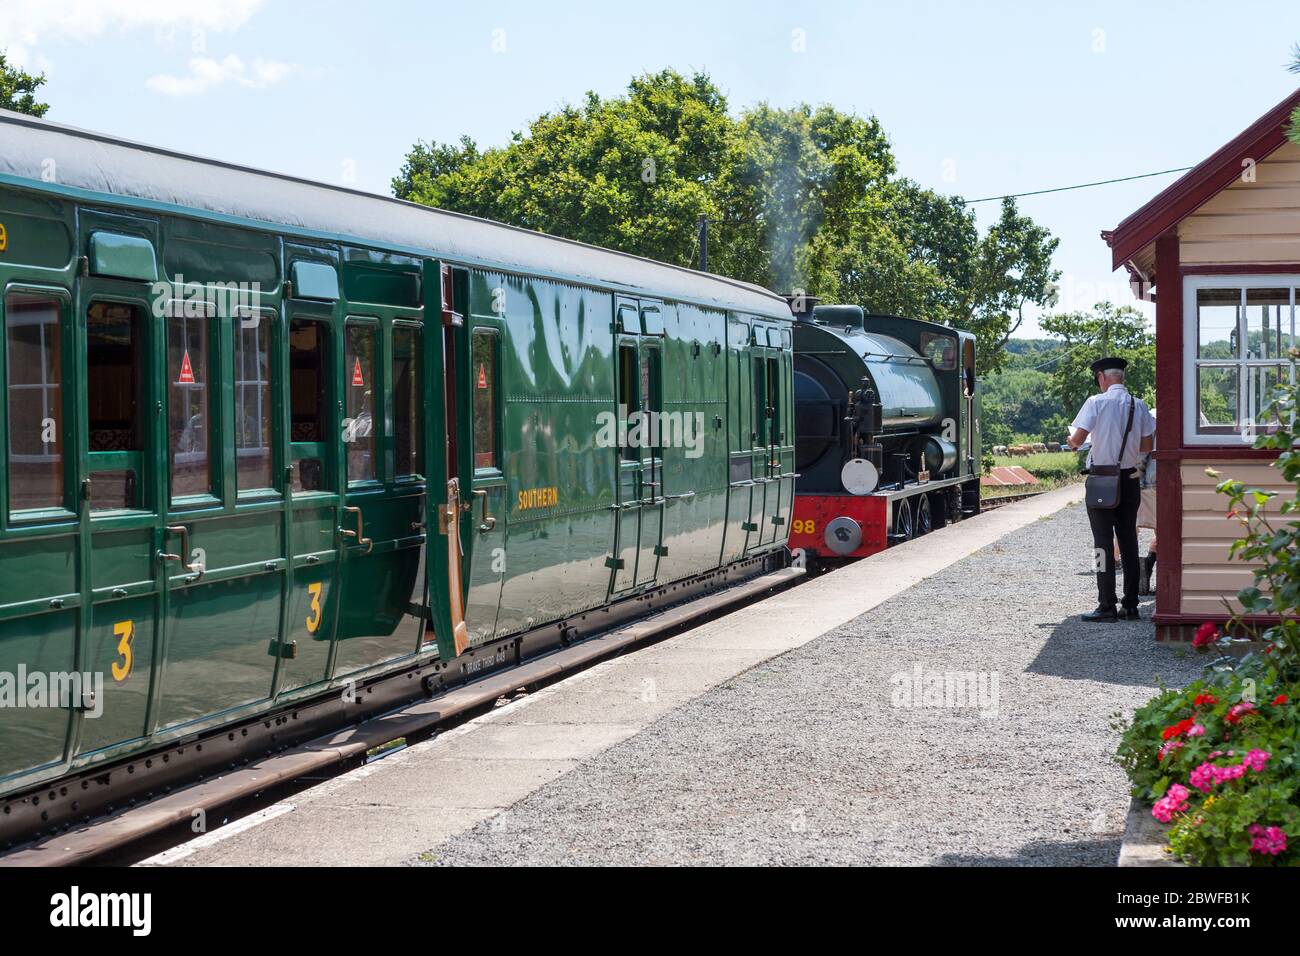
(1219, 760)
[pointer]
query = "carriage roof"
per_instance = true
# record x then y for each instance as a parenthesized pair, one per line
(104, 166)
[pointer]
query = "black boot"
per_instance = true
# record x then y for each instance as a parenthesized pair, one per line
(1144, 582)
(1101, 614)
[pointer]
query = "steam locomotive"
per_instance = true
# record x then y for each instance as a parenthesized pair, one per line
(887, 429)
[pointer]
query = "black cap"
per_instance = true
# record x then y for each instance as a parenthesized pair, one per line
(1110, 362)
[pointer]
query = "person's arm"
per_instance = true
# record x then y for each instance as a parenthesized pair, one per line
(1082, 425)
(1147, 444)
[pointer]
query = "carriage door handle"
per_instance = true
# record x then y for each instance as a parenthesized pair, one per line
(489, 522)
(360, 533)
(184, 534)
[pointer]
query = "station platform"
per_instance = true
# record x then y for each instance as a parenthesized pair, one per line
(937, 703)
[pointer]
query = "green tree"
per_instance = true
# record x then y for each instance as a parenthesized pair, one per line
(1087, 336)
(799, 198)
(633, 173)
(18, 89)
(1013, 269)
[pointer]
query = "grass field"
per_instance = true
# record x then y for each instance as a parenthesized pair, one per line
(1052, 469)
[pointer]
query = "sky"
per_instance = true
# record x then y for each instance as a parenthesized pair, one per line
(978, 98)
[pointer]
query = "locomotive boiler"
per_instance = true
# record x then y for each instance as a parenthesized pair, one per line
(887, 426)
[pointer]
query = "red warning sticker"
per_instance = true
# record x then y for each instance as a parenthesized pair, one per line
(482, 377)
(187, 370)
(356, 375)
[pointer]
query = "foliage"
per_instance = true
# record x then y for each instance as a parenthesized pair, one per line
(1086, 336)
(1272, 542)
(1230, 742)
(18, 89)
(796, 198)
(1024, 402)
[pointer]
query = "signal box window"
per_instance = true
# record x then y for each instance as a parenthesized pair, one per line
(35, 383)
(408, 422)
(484, 387)
(253, 459)
(359, 388)
(309, 393)
(188, 431)
(114, 403)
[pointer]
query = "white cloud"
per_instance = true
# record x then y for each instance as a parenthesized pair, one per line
(25, 24)
(206, 73)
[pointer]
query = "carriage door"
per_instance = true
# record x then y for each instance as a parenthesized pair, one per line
(125, 545)
(383, 500)
(771, 436)
(766, 488)
(640, 463)
(486, 532)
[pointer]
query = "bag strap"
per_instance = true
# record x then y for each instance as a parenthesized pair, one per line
(1132, 405)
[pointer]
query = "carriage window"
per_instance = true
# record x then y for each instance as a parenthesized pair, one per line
(309, 393)
(188, 431)
(408, 423)
(253, 460)
(628, 379)
(485, 388)
(113, 402)
(650, 400)
(774, 398)
(35, 360)
(359, 383)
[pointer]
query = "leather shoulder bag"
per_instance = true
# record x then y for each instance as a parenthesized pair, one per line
(1101, 489)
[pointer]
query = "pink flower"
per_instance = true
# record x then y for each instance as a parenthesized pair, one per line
(1206, 634)
(1168, 748)
(1224, 774)
(1256, 759)
(1267, 840)
(1175, 801)
(1203, 777)
(1196, 730)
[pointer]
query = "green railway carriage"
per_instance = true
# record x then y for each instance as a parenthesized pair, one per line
(265, 439)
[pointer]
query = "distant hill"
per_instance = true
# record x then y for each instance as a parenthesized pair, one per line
(1032, 353)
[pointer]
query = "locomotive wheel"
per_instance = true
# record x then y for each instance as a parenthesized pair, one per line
(924, 522)
(904, 529)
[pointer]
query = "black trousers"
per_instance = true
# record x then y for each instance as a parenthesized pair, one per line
(1109, 525)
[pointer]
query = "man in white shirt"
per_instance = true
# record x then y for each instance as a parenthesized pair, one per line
(1106, 418)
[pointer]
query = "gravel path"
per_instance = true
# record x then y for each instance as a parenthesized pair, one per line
(812, 758)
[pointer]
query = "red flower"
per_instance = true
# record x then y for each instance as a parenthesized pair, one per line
(1203, 700)
(1280, 699)
(1238, 711)
(1205, 634)
(1178, 729)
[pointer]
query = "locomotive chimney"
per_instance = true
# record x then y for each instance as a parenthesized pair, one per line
(802, 305)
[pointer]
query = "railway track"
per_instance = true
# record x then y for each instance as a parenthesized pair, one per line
(997, 501)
